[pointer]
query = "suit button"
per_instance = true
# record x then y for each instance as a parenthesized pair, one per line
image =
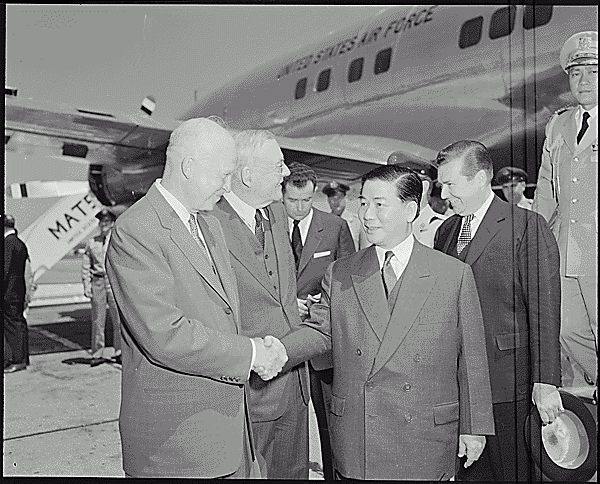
(408, 417)
(575, 159)
(406, 387)
(358, 352)
(575, 180)
(574, 200)
(417, 358)
(270, 273)
(266, 256)
(573, 221)
(369, 385)
(227, 310)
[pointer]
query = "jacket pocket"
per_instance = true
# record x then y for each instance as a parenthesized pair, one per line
(445, 413)
(508, 341)
(337, 405)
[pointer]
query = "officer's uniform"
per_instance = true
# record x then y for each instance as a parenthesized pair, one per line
(566, 195)
(426, 224)
(94, 278)
(512, 175)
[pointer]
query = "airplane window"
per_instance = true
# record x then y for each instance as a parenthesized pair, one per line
(355, 70)
(470, 32)
(502, 22)
(323, 80)
(536, 16)
(301, 88)
(382, 61)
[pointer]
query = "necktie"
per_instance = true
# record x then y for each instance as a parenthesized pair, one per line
(258, 229)
(388, 274)
(584, 126)
(196, 235)
(465, 234)
(296, 242)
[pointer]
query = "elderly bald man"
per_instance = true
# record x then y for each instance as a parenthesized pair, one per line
(183, 410)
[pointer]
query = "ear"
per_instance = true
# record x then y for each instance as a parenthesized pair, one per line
(481, 178)
(411, 211)
(186, 167)
(246, 176)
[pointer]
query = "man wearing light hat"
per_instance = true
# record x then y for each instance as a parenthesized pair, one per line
(336, 197)
(566, 195)
(514, 181)
(97, 287)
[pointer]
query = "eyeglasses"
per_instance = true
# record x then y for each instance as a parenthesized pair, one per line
(279, 166)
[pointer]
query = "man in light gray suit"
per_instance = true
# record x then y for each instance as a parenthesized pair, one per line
(183, 407)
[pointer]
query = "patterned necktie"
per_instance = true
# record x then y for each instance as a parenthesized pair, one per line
(584, 126)
(296, 242)
(388, 274)
(258, 229)
(465, 234)
(196, 235)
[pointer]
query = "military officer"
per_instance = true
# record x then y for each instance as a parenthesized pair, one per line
(336, 197)
(97, 287)
(566, 195)
(428, 221)
(514, 181)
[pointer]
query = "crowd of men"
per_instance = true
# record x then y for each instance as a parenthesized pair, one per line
(421, 336)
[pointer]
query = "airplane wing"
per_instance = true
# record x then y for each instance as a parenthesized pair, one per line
(96, 136)
(348, 157)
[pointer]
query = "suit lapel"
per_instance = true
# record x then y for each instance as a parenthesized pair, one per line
(197, 257)
(453, 227)
(488, 228)
(313, 237)
(415, 287)
(240, 244)
(368, 286)
(218, 251)
(569, 130)
(589, 137)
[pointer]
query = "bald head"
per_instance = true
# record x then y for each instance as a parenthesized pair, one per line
(200, 160)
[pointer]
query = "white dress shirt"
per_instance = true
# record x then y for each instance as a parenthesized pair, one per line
(304, 225)
(402, 252)
(478, 215)
(245, 211)
(184, 215)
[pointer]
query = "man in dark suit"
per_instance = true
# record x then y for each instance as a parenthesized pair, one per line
(317, 239)
(256, 230)
(16, 339)
(515, 262)
(410, 378)
(183, 405)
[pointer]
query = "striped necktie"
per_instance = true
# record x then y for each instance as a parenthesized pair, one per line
(196, 235)
(259, 231)
(388, 274)
(465, 234)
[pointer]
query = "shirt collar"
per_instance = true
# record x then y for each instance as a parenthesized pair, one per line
(304, 223)
(481, 211)
(593, 112)
(402, 251)
(245, 211)
(9, 232)
(180, 210)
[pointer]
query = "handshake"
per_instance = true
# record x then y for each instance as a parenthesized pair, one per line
(270, 357)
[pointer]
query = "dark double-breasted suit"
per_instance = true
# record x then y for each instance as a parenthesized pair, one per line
(266, 280)
(515, 262)
(409, 375)
(184, 363)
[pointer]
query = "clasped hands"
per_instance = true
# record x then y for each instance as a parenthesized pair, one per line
(270, 357)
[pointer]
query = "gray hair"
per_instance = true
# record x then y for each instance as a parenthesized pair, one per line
(248, 142)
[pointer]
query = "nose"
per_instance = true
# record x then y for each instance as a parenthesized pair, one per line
(367, 212)
(227, 184)
(444, 193)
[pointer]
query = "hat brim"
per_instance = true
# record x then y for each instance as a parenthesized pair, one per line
(582, 459)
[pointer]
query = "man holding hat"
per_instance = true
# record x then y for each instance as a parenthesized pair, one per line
(336, 197)
(566, 196)
(97, 287)
(513, 181)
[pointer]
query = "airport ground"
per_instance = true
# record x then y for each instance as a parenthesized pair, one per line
(61, 415)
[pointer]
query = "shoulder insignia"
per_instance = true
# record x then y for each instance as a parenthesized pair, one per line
(558, 112)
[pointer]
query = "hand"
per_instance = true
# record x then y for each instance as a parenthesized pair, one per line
(548, 402)
(87, 292)
(472, 446)
(310, 300)
(302, 308)
(270, 357)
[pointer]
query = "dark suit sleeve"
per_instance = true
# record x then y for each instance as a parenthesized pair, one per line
(345, 242)
(313, 336)
(476, 416)
(538, 265)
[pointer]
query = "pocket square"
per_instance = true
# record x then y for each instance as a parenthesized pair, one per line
(321, 254)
